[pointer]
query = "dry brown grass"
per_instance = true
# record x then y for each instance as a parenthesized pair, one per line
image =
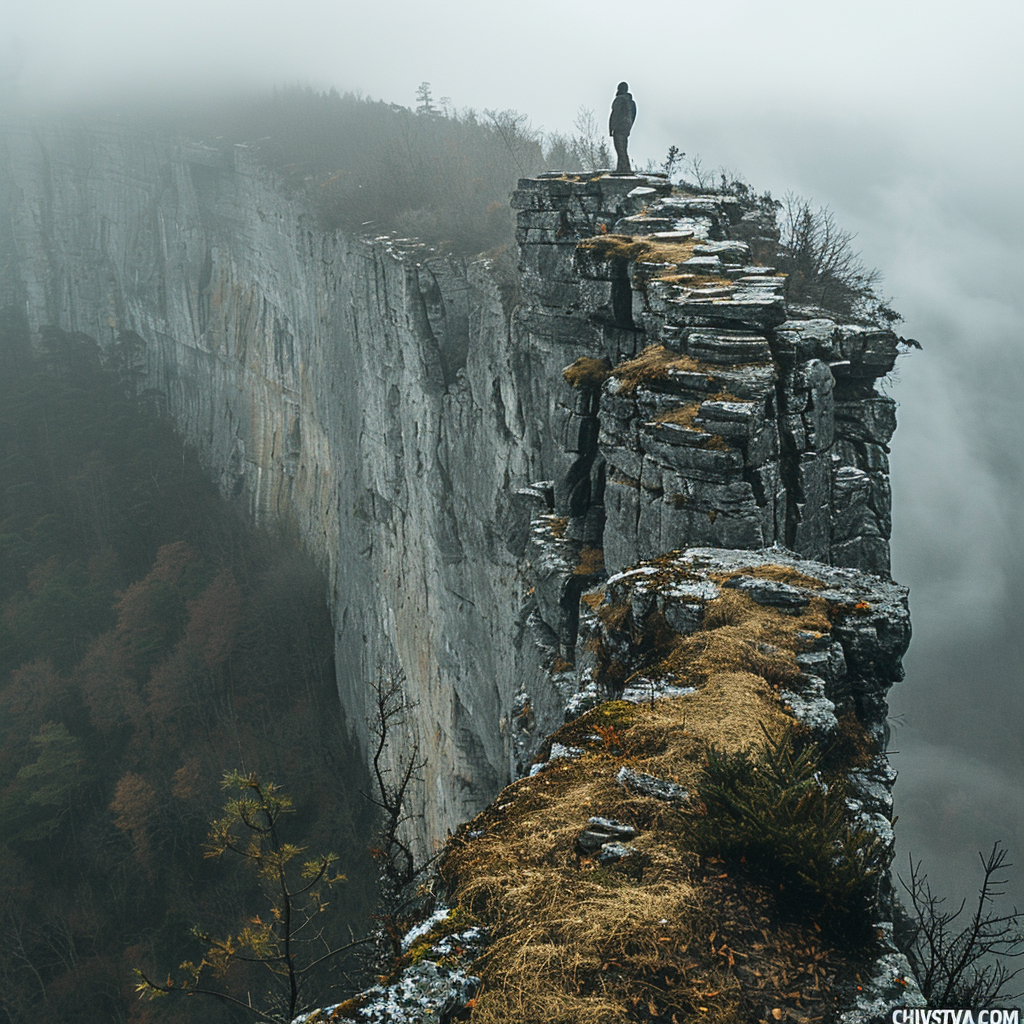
(642, 247)
(778, 573)
(647, 249)
(739, 636)
(728, 711)
(587, 372)
(614, 616)
(654, 364)
(575, 941)
(763, 623)
(683, 416)
(588, 943)
(591, 562)
(671, 938)
(699, 658)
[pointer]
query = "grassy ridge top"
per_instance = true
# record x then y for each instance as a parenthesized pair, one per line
(730, 904)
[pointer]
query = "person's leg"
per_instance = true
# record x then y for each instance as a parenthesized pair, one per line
(621, 139)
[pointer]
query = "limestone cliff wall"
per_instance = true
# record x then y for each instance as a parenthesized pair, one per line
(408, 414)
(365, 391)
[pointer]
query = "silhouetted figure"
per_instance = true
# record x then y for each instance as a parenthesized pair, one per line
(619, 124)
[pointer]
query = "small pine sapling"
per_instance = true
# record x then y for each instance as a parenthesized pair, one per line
(292, 942)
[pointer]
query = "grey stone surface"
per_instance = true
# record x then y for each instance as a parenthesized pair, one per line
(771, 592)
(425, 993)
(617, 853)
(890, 985)
(599, 832)
(811, 707)
(392, 405)
(367, 391)
(643, 784)
(724, 346)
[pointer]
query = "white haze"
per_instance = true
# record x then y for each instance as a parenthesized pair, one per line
(905, 118)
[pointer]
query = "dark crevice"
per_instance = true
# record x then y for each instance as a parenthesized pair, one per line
(583, 502)
(753, 477)
(600, 479)
(433, 358)
(789, 456)
(448, 324)
(570, 602)
(578, 487)
(500, 412)
(622, 294)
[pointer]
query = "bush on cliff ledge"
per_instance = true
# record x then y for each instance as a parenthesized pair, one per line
(770, 810)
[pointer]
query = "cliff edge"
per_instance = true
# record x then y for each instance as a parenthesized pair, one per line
(530, 492)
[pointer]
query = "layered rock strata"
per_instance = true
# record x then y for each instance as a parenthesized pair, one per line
(748, 426)
(408, 413)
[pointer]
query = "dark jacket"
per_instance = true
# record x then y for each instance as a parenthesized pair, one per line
(623, 113)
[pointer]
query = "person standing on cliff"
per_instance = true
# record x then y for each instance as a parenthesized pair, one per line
(619, 124)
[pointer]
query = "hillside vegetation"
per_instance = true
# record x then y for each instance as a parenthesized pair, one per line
(372, 167)
(149, 642)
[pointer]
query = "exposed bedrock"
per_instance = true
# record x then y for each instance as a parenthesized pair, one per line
(366, 391)
(738, 424)
(408, 413)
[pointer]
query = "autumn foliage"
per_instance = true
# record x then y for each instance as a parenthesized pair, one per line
(149, 642)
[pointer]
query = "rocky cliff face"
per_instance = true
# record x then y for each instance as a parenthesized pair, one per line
(467, 452)
(372, 394)
(410, 417)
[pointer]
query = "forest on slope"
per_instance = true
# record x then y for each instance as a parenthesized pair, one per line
(369, 166)
(150, 641)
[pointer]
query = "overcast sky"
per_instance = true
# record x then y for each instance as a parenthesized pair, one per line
(906, 118)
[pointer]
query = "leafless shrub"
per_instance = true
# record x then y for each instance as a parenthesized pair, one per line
(519, 136)
(824, 269)
(804, 242)
(561, 153)
(400, 868)
(589, 144)
(964, 967)
(702, 177)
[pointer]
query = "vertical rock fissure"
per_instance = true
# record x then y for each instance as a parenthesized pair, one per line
(622, 294)
(584, 505)
(789, 465)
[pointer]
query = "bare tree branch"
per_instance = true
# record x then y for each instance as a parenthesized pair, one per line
(399, 866)
(964, 968)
